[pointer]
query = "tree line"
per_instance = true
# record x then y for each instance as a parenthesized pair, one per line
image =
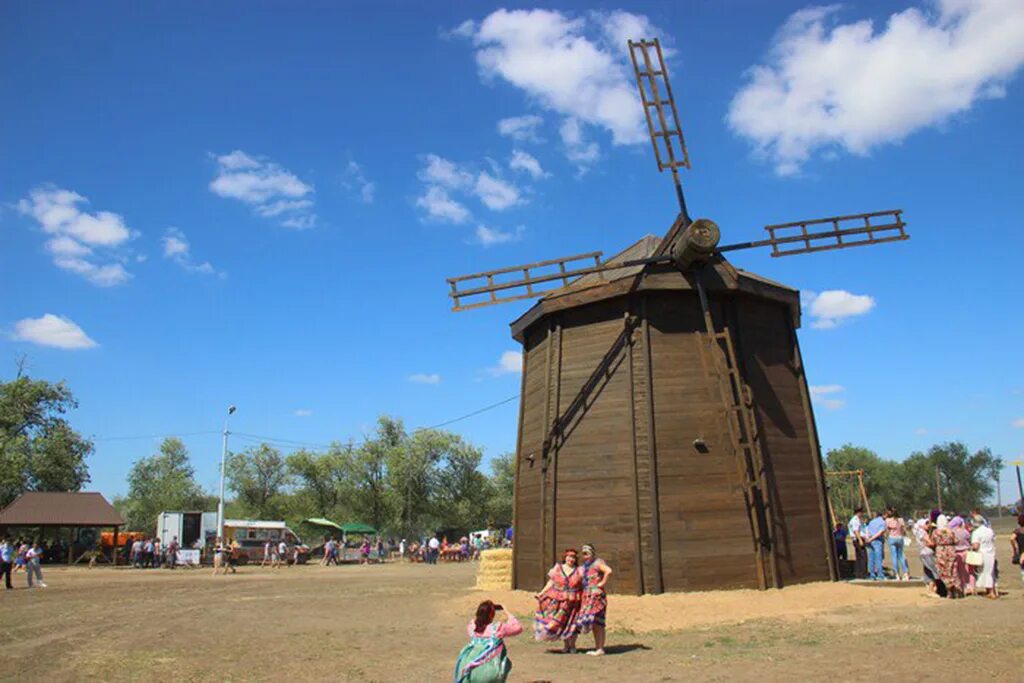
(401, 483)
(404, 483)
(964, 479)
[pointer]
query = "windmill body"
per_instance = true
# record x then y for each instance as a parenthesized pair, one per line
(643, 461)
(664, 414)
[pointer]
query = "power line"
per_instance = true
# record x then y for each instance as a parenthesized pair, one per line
(468, 415)
(152, 436)
(257, 438)
(270, 439)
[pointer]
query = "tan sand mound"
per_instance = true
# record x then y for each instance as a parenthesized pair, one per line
(678, 611)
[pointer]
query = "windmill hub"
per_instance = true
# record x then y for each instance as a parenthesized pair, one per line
(695, 244)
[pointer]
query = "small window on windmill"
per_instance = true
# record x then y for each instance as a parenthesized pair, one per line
(701, 446)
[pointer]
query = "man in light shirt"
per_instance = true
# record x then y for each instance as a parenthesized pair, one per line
(434, 546)
(874, 539)
(6, 561)
(860, 555)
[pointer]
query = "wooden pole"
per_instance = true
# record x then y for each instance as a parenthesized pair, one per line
(863, 492)
(938, 486)
(1020, 489)
(116, 548)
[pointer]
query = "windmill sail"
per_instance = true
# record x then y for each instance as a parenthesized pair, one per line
(854, 230)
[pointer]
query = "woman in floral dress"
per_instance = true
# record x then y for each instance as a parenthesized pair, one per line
(945, 557)
(558, 603)
(594, 605)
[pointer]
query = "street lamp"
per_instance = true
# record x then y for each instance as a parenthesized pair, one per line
(223, 458)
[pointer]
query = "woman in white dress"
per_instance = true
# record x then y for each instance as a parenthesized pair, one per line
(983, 540)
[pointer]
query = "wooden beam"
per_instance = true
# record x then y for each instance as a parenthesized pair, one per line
(637, 548)
(815, 455)
(659, 584)
(518, 477)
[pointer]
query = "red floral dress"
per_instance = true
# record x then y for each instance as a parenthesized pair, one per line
(595, 602)
(557, 609)
(945, 557)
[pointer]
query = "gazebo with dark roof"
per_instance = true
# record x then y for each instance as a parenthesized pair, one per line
(60, 509)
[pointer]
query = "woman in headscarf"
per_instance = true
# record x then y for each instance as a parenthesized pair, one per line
(594, 608)
(963, 545)
(926, 551)
(558, 603)
(485, 658)
(945, 557)
(983, 540)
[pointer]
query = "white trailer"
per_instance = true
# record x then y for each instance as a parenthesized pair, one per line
(188, 527)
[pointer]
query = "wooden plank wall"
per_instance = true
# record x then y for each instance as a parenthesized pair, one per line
(706, 538)
(769, 356)
(628, 478)
(527, 524)
(645, 457)
(595, 486)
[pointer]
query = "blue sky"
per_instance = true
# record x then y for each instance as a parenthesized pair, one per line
(258, 204)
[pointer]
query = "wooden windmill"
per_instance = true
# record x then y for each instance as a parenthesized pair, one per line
(664, 413)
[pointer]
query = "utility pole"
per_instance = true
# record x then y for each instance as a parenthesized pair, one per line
(223, 458)
(999, 493)
(938, 485)
(1020, 489)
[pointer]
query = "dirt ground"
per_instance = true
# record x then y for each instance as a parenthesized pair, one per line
(401, 622)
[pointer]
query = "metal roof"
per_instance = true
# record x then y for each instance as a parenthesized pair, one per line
(45, 508)
(254, 524)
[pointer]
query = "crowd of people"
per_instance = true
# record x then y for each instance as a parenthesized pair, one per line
(425, 550)
(150, 553)
(20, 555)
(572, 603)
(957, 551)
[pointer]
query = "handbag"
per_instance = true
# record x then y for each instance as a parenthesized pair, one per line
(974, 558)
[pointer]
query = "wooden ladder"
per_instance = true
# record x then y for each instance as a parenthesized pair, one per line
(737, 400)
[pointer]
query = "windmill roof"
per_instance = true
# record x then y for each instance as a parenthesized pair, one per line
(620, 281)
(44, 508)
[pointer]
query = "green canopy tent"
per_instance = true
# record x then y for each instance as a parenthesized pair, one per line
(357, 528)
(321, 522)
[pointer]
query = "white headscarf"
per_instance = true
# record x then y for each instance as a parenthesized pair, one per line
(942, 522)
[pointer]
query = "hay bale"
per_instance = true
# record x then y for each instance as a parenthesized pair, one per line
(495, 571)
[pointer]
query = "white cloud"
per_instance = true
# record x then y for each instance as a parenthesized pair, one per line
(422, 378)
(440, 206)
(303, 412)
(444, 178)
(521, 128)
(178, 249)
(826, 85)
(81, 241)
(52, 330)
(920, 431)
(270, 189)
(524, 161)
(66, 246)
(490, 236)
(578, 67)
(510, 362)
(825, 395)
(833, 306)
(1018, 423)
(495, 193)
(577, 149)
(355, 180)
(109, 275)
(281, 206)
(440, 171)
(301, 222)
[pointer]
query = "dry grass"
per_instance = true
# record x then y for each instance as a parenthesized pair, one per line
(408, 622)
